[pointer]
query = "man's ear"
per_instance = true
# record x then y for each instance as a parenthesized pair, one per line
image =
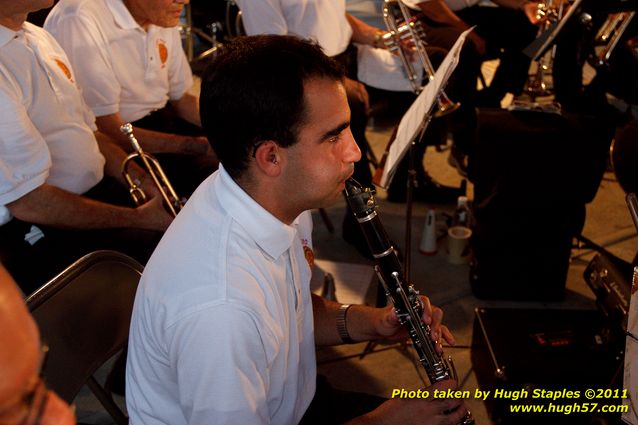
(267, 157)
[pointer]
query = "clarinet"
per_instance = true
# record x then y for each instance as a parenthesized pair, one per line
(405, 298)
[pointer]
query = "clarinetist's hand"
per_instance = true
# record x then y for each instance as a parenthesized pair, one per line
(417, 411)
(390, 328)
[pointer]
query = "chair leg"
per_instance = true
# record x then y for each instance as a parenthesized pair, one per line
(326, 220)
(481, 78)
(107, 401)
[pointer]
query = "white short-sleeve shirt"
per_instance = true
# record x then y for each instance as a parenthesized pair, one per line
(222, 328)
(325, 22)
(120, 66)
(322, 21)
(46, 129)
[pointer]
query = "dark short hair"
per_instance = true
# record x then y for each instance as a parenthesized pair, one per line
(254, 91)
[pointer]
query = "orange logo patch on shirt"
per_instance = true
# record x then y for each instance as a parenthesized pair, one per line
(65, 69)
(163, 51)
(307, 251)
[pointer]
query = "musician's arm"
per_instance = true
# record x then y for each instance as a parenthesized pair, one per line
(528, 7)
(366, 323)
(187, 108)
(151, 141)
(51, 206)
(439, 11)
(115, 156)
(363, 33)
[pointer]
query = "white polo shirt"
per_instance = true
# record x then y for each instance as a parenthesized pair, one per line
(46, 129)
(325, 22)
(120, 66)
(222, 327)
(322, 21)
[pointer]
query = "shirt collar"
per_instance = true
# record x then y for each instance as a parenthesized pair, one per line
(271, 235)
(6, 35)
(121, 14)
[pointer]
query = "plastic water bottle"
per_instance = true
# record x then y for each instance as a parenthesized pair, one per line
(428, 237)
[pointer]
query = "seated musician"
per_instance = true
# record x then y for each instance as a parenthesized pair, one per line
(24, 397)
(372, 72)
(224, 326)
(502, 31)
(61, 191)
(461, 88)
(131, 67)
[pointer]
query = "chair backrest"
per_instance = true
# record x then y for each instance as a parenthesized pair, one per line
(84, 315)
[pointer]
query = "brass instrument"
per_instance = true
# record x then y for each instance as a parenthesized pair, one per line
(405, 298)
(403, 28)
(173, 202)
(548, 13)
(609, 35)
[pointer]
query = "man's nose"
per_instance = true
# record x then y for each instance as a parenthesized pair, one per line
(352, 153)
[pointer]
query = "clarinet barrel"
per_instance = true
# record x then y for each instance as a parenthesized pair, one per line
(405, 298)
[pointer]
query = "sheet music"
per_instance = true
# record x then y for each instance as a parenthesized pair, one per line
(416, 117)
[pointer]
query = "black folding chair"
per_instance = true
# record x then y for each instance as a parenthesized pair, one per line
(84, 315)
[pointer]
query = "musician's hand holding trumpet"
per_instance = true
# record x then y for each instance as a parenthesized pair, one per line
(152, 214)
(153, 192)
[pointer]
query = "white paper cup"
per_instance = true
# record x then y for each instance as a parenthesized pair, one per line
(458, 244)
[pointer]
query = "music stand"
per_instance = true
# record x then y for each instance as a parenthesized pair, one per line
(539, 47)
(411, 128)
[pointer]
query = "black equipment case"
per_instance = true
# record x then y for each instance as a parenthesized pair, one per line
(533, 173)
(544, 349)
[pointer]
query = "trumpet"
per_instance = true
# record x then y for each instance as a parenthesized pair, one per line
(609, 35)
(403, 27)
(173, 202)
(548, 12)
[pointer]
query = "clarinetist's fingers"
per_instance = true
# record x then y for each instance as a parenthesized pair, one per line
(454, 415)
(428, 316)
(447, 335)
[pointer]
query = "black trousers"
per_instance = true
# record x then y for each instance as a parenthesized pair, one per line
(32, 265)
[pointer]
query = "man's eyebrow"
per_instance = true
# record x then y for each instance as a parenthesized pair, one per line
(335, 131)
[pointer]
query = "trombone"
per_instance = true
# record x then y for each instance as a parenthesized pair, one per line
(405, 27)
(173, 202)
